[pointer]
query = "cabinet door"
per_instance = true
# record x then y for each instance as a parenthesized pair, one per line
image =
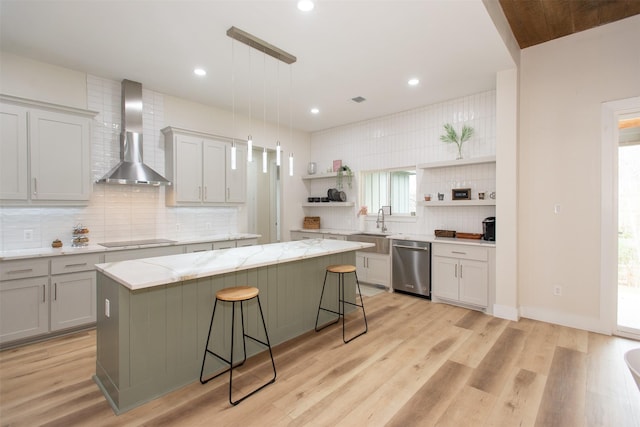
(237, 179)
(361, 267)
(73, 299)
(13, 153)
(474, 280)
(445, 277)
(378, 269)
(213, 171)
(24, 309)
(60, 156)
(188, 173)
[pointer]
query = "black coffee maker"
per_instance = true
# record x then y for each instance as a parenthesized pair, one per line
(489, 228)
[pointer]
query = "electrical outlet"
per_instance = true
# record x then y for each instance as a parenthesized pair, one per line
(556, 209)
(28, 235)
(207, 226)
(107, 308)
(177, 227)
(557, 291)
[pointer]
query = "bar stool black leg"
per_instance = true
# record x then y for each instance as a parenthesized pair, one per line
(361, 305)
(325, 309)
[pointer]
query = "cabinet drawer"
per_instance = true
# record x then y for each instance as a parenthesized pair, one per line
(246, 242)
(20, 269)
(74, 263)
(225, 244)
(461, 251)
(334, 236)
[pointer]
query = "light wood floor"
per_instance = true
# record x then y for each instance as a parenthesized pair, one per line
(419, 364)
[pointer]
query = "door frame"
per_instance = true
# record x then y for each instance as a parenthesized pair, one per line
(611, 112)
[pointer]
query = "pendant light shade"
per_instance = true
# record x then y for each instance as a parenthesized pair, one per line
(250, 149)
(264, 160)
(278, 160)
(290, 164)
(233, 156)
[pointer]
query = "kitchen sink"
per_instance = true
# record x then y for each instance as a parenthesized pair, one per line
(382, 244)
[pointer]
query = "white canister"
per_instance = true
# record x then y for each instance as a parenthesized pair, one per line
(312, 168)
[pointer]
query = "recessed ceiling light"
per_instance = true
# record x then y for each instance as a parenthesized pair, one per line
(305, 5)
(413, 82)
(314, 111)
(199, 72)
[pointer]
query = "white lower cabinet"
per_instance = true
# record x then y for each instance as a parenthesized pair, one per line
(24, 308)
(73, 291)
(461, 274)
(73, 299)
(373, 268)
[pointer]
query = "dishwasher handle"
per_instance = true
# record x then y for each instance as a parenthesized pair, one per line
(415, 248)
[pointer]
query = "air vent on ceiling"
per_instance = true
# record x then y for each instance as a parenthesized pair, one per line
(358, 99)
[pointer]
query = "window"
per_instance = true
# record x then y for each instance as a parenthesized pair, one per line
(395, 188)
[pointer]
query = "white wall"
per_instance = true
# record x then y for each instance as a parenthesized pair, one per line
(404, 140)
(563, 84)
(132, 212)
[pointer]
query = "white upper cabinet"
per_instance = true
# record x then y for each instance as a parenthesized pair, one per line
(45, 153)
(199, 166)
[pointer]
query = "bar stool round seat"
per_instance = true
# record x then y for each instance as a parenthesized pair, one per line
(237, 295)
(341, 270)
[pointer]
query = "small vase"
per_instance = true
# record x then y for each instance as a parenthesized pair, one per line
(459, 152)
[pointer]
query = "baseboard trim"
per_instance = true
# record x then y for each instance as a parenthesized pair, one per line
(591, 324)
(506, 312)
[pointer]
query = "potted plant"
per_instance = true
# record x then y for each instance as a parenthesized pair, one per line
(344, 171)
(451, 136)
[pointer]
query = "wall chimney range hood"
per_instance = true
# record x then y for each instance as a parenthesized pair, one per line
(131, 169)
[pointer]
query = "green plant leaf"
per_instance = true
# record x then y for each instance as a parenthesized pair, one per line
(467, 132)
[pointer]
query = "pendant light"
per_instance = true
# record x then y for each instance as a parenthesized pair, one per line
(264, 160)
(278, 111)
(250, 139)
(233, 105)
(264, 110)
(290, 119)
(233, 155)
(290, 164)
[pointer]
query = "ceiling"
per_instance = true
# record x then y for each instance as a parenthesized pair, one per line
(537, 21)
(344, 49)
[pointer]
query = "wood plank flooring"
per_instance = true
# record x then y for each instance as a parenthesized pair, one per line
(420, 364)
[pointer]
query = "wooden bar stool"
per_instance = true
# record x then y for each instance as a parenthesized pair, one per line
(238, 294)
(341, 270)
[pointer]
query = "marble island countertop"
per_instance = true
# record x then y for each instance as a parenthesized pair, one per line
(94, 247)
(149, 272)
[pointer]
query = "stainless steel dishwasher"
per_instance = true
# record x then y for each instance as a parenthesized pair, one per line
(412, 267)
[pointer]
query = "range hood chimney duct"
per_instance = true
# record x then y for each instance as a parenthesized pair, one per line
(131, 169)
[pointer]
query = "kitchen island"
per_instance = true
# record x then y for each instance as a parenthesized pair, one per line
(154, 313)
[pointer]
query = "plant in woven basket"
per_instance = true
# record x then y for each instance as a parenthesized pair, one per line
(451, 136)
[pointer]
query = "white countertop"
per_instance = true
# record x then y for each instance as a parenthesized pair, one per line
(92, 248)
(149, 272)
(433, 239)
(326, 231)
(410, 236)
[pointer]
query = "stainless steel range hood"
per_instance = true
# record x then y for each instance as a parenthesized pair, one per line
(131, 169)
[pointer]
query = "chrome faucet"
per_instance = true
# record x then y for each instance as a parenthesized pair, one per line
(378, 221)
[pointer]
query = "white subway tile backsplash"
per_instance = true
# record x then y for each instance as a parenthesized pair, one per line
(409, 138)
(116, 212)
